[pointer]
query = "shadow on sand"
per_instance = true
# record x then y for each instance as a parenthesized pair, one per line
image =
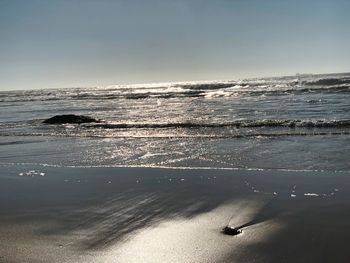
(105, 206)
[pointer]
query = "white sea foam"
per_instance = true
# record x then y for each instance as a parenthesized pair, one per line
(287, 123)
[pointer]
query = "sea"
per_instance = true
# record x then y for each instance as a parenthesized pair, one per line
(299, 122)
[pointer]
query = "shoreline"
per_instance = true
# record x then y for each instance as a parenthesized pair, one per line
(62, 214)
(178, 168)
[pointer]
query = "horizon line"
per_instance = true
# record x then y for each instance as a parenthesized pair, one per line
(183, 81)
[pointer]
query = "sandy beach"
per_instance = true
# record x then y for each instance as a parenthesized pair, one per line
(174, 131)
(58, 214)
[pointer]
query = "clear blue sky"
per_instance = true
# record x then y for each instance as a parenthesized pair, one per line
(58, 43)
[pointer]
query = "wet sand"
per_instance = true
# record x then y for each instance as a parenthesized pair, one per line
(55, 214)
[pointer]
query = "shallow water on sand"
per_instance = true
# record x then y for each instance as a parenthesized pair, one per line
(296, 123)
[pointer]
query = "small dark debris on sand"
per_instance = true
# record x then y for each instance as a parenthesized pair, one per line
(70, 118)
(227, 230)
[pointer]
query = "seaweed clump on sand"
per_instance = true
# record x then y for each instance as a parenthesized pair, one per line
(231, 231)
(69, 119)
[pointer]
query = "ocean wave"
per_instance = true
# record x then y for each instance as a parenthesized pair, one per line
(214, 93)
(235, 124)
(328, 81)
(213, 89)
(171, 136)
(268, 123)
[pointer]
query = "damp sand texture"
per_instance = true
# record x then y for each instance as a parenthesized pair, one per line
(57, 214)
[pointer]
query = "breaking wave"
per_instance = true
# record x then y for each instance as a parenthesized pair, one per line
(268, 87)
(235, 124)
(329, 81)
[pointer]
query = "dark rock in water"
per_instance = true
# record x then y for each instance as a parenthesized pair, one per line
(227, 230)
(69, 118)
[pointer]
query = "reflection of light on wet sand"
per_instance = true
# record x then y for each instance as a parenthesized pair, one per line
(197, 239)
(151, 215)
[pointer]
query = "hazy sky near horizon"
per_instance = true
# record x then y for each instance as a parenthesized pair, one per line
(65, 43)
